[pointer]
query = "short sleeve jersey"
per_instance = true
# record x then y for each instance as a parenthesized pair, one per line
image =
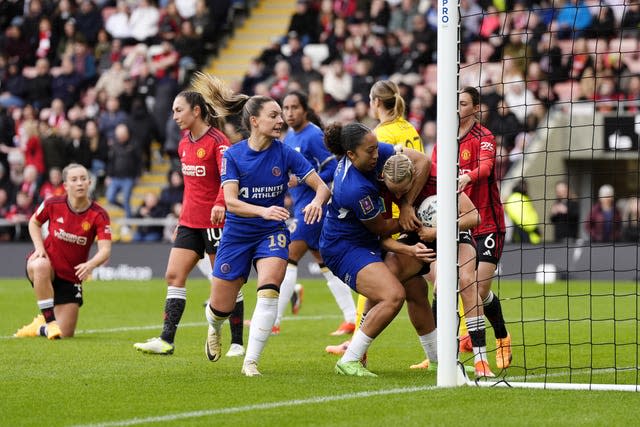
(262, 178)
(477, 146)
(201, 162)
(71, 234)
(399, 131)
(310, 143)
(355, 198)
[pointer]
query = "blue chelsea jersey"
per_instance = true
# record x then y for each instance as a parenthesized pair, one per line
(262, 178)
(310, 143)
(355, 198)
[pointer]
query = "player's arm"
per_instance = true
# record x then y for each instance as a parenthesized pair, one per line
(422, 166)
(382, 227)
(35, 231)
(244, 209)
(468, 215)
(419, 250)
(486, 161)
(313, 211)
(84, 269)
(219, 206)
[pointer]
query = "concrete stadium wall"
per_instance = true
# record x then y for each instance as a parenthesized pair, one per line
(144, 261)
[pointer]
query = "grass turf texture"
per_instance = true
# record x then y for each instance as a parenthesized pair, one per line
(97, 378)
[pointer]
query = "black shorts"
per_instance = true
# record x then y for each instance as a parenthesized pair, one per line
(411, 239)
(490, 247)
(199, 240)
(65, 292)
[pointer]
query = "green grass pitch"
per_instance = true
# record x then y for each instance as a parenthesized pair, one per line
(98, 379)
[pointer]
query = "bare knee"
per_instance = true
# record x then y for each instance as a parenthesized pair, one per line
(39, 267)
(175, 278)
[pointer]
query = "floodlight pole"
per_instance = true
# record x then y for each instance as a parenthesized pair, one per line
(447, 213)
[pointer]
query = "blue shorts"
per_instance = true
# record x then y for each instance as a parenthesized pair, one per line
(235, 255)
(347, 264)
(309, 233)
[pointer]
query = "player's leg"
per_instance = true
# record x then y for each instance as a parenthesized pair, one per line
(67, 318)
(222, 302)
(297, 249)
(271, 271)
(386, 296)
(183, 257)
(489, 250)
(41, 274)
(343, 296)
(474, 313)
(421, 317)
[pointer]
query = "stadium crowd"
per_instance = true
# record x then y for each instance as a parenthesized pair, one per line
(74, 72)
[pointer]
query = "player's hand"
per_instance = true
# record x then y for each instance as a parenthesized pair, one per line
(293, 181)
(83, 270)
(276, 213)
(38, 253)
(312, 213)
(424, 253)
(408, 219)
(427, 234)
(217, 214)
(463, 181)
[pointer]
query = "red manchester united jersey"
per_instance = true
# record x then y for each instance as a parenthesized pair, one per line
(476, 158)
(71, 234)
(201, 161)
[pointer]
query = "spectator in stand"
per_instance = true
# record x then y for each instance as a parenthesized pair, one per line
(631, 220)
(144, 21)
(255, 74)
(110, 119)
(99, 154)
(53, 186)
(565, 213)
(53, 146)
(6, 233)
(88, 21)
(31, 147)
(470, 19)
(295, 54)
(123, 169)
(84, 62)
(304, 22)
(572, 19)
(143, 130)
(12, 91)
(38, 85)
(170, 22)
(66, 83)
(112, 80)
(173, 192)
(15, 46)
(279, 82)
(117, 24)
(78, 150)
(631, 20)
(581, 60)
(603, 21)
(19, 213)
(190, 48)
(604, 223)
(150, 209)
(30, 183)
(67, 38)
(337, 83)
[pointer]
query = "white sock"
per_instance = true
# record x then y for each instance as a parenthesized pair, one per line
(286, 290)
(262, 321)
(357, 348)
(342, 294)
(477, 324)
(215, 321)
(429, 343)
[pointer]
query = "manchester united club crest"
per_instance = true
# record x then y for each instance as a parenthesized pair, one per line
(276, 171)
(466, 154)
(201, 153)
(86, 225)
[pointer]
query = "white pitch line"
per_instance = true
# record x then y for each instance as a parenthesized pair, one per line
(182, 325)
(260, 406)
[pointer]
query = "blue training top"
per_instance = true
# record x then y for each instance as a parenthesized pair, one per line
(262, 178)
(310, 143)
(355, 198)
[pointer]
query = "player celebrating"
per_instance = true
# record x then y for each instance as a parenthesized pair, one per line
(60, 263)
(203, 208)
(350, 238)
(255, 174)
(308, 139)
(477, 179)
